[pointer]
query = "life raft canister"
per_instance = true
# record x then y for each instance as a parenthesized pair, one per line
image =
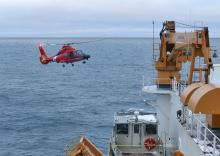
(150, 143)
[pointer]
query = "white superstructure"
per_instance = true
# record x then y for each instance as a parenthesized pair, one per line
(181, 129)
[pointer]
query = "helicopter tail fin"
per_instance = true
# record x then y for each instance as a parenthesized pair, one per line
(44, 59)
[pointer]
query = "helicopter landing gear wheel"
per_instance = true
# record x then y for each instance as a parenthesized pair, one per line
(72, 64)
(84, 62)
(63, 65)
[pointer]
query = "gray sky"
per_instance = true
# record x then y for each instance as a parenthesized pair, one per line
(102, 18)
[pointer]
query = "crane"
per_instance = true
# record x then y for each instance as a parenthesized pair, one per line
(179, 47)
(84, 148)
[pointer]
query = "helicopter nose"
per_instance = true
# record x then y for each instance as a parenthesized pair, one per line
(87, 57)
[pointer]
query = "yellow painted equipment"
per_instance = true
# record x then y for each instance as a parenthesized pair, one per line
(178, 153)
(84, 148)
(176, 48)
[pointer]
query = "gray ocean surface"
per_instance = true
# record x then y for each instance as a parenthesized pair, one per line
(45, 107)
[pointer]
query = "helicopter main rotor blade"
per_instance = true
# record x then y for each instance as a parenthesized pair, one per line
(86, 41)
(72, 43)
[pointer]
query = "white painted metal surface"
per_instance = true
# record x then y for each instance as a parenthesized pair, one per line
(190, 134)
(215, 74)
(131, 140)
(197, 128)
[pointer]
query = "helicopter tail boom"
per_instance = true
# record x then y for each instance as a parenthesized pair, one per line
(44, 59)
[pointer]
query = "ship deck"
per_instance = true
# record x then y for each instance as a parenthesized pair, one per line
(138, 152)
(155, 90)
(206, 138)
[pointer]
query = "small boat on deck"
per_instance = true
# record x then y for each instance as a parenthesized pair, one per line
(135, 133)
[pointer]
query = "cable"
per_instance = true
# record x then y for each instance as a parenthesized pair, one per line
(190, 26)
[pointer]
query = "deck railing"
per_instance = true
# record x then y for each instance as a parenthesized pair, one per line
(195, 125)
(178, 87)
(174, 85)
(147, 81)
(120, 149)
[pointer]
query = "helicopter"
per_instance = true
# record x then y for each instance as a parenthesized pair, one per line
(67, 54)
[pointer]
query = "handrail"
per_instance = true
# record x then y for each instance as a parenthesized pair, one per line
(117, 147)
(203, 135)
(174, 85)
(154, 80)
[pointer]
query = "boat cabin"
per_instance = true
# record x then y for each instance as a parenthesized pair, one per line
(135, 132)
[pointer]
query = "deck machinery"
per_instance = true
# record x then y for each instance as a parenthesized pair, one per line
(188, 113)
(188, 108)
(179, 47)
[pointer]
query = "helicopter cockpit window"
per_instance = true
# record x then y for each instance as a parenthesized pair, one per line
(150, 129)
(79, 52)
(122, 128)
(71, 54)
(66, 55)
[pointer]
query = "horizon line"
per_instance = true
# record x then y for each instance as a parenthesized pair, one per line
(66, 37)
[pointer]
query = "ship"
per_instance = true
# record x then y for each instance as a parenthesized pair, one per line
(187, 89)
(187, 100)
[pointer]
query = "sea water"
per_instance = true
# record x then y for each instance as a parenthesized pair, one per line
(45, 107)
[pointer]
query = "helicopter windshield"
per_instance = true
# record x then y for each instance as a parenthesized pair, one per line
(67, 55)
(79, 53)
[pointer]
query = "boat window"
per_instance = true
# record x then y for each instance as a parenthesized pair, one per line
(200, 35)
(150, 129)
(122, 128)
(136, 128)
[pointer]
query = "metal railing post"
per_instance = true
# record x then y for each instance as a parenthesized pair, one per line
(157, 83)
(191, 130)
(186, 117)
(205, 139)
(174, 79)
(214, 144)
(178, 88)
(198, 135)
(201, 133)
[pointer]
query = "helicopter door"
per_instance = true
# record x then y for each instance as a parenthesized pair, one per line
(136, 134)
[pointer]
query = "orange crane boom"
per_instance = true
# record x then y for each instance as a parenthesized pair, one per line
(84, 148)
(179, 47)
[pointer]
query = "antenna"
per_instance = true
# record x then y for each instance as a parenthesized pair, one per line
(153, 41)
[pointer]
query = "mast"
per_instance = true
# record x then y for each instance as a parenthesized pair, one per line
(153, 43)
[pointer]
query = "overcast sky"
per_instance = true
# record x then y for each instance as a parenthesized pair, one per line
(102, 18)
